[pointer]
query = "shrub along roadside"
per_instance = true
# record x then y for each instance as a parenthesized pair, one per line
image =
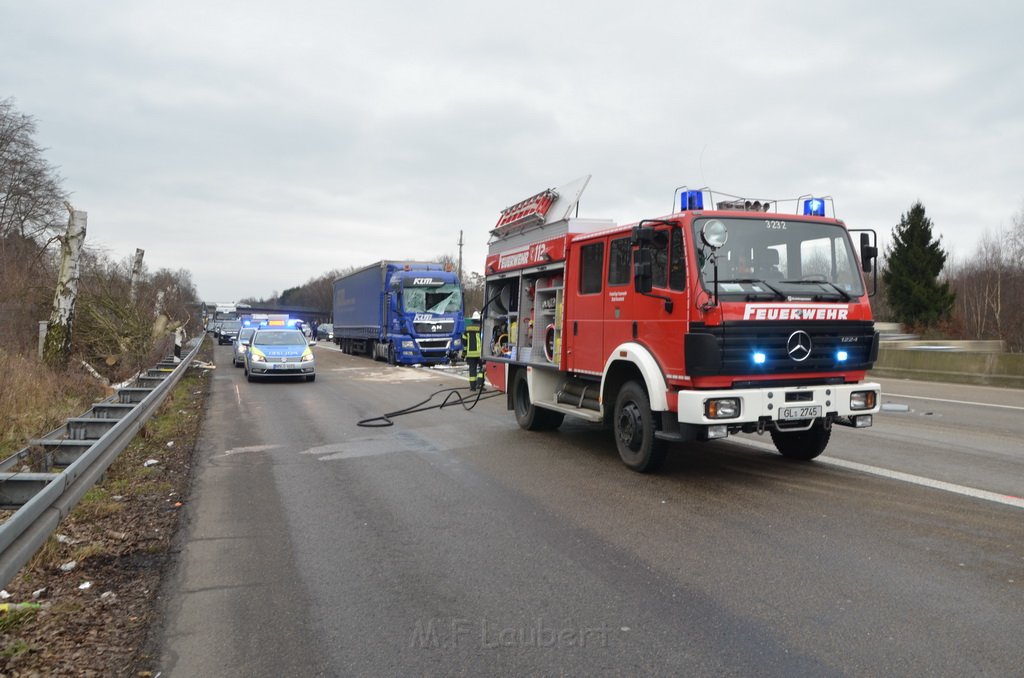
(119, 537)
(35, 399)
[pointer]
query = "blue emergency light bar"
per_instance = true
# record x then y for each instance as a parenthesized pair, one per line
(814, 207)
(691, 200)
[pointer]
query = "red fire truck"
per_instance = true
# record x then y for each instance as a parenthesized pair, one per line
(687, 327)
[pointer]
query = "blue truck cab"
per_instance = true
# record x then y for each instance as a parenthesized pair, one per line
(405, 312)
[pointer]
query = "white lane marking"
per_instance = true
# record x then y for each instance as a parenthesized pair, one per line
(250, 448)
(1007, 499)
(366, 447)
(238, 395)
(955, 402)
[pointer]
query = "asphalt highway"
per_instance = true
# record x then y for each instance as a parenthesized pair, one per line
(454, 543)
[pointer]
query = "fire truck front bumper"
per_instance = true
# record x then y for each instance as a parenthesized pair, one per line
(705, 415)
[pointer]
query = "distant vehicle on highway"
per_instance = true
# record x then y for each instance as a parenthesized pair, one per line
(228, 331)
(279, 352)
(325, 331)
(241, 345)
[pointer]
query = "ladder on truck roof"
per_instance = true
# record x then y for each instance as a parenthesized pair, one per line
(544, 215)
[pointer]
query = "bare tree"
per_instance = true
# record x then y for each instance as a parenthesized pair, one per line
(473, 292)
(31, 197)
(990, 283)
(59, 335)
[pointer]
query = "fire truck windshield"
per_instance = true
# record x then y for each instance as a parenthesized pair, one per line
(444, 299)
(800, 258)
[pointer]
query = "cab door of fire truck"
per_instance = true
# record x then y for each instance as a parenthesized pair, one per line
(620, 320)
(663, 313)
(584, 307)
(600, 308)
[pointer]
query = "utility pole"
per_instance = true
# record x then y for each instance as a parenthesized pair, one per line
(460, 257)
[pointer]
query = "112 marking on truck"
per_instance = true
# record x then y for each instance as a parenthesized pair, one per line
(687, 327)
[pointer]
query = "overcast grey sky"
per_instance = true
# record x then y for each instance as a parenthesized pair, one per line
(260, 144)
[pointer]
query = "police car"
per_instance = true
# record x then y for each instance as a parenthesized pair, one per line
(279, 352)
(241, 345)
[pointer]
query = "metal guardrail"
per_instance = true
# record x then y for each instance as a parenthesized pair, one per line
(85, 446)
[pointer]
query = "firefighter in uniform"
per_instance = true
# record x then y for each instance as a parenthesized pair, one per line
(471, 342)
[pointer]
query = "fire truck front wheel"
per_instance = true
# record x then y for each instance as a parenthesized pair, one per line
(634, 428)
(802, 445)
(529, 416)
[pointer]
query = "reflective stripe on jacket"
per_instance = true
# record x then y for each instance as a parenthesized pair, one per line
(471, 341)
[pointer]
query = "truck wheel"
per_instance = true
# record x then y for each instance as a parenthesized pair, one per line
(528, 416)
(802, 445)
(633, 427)
(392, 359)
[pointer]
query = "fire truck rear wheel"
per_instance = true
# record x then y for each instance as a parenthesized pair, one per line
(528, 416)
(633, 426)
(802, 445)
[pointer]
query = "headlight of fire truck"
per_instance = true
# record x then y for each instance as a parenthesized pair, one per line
(722, 408)
(863, 400)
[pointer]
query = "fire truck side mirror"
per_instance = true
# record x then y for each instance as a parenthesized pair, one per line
(643, 276)
(868, 253)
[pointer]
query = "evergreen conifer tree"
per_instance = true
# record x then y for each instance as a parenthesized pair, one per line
(914, 261)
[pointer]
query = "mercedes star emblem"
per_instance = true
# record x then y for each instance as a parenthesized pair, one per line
(799, 346)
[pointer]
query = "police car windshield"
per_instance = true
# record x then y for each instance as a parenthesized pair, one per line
(279, 338)
(796, 257)
(443, 299)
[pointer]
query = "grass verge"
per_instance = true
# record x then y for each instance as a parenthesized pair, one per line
(95, 614)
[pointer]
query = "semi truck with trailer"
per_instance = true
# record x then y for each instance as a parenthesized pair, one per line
(404, 312)
(707, 322)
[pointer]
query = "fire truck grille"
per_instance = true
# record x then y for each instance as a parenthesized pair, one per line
(439, 327)
(785, 345)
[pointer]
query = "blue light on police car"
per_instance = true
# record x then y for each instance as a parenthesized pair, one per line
(814, 207)
(841, 356)
(691, 200)
(759, 358)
